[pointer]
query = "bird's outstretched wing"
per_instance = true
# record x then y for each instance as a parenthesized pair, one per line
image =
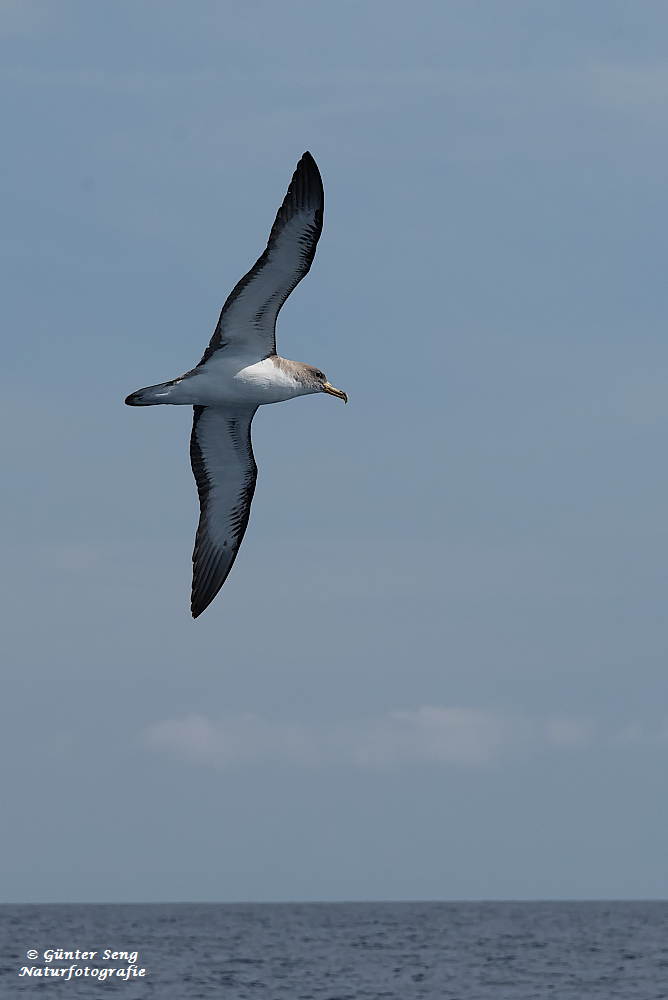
(248, 319)
(225, 473)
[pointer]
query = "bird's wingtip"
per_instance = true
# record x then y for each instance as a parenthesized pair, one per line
(308, 160)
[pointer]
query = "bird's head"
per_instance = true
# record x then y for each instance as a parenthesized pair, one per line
(317, 382)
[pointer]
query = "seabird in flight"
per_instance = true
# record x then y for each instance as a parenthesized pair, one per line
(240, 371)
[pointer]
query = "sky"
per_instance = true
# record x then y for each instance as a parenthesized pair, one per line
(438, 667)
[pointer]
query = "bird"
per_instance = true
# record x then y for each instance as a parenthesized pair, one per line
(239, 372)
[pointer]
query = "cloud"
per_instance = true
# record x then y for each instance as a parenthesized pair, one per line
(635, 90)
(464, 736)
(634, 735)
(234, 740)
(570, 731)
(450, 736)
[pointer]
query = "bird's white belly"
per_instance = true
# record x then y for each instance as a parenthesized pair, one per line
(225, 381)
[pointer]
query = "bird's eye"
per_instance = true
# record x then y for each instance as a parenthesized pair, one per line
(319, 375)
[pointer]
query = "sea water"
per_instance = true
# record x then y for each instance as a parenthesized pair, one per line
(337, 951)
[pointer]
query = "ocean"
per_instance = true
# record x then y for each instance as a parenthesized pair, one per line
(337, 951)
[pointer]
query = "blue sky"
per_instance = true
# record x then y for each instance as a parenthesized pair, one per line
(438, 668)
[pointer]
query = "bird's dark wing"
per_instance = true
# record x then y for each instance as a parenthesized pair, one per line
(225, 473)
(248, 319)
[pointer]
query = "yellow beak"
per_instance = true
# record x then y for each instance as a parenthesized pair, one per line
(335, 392)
